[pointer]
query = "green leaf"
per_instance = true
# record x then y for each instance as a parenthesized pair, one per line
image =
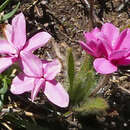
(2, 97)
(85, 70)
(86, 66)
(4, 5)
(93, 105)
(4, 89)
(67, 114)
(85, 87)
(70, 68)
(84, 83)
(10, 14)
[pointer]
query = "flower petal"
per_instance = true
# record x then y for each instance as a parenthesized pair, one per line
(102, 44)
(111, 33)
(37, 41)
(38, 84)
(19, 31)
(104, 66)
(117, 55)
(92, 36)
(44, 63)
(125, 61)
(87, 48)
(52, 69)
(97, 42)
(6, 48)
(31, 65)
(8, 33)
(5, 63)
(56, 93)
(21, 84)
(124, 40)
(92, 48)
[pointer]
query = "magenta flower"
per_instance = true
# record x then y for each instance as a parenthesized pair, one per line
(15, 46)
(110, 48)
(43, 79)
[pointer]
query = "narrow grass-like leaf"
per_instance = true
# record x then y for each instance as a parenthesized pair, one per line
(10, 14)
(4, 5)
(2, 97)
(4, 89)
(70, 68)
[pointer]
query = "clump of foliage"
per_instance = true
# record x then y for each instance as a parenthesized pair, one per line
(81, 84)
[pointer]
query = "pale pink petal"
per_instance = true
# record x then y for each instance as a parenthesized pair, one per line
(44, 63)
(19, 31)
(5, 63)
(31, 65)
(8, 33)
(56, 93)
(6, 48)
(111, 33)
(37, 41)
(104, 66)
(38, 84)
(124, 40)
(52, 69)
(21, 84)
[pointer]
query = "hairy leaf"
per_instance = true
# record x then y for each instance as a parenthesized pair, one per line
(93, 105)
(84, 82)
(70, 69)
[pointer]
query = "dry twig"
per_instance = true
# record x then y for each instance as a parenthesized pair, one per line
(124, 89)
(102, 81)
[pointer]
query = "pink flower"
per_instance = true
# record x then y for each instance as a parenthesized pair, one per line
(110, 48)
(41, 79)
(15, 46)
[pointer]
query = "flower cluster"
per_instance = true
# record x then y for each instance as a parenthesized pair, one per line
(37, 74)
(109, 47)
